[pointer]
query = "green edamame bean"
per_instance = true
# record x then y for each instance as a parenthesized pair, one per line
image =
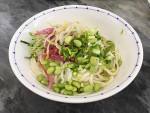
(68, 39)
(57, 70)
(91, 31)
(91, 37)
(79, 59)
(44, 62)
(62, 85)
(87, 66)
(113, 69)
(74, 89)
(67, 92)
(46, 66)
(82, 84)
(76, 84)
(55, 85)
(88, 88)
(75, 73)
(56, 89)
(75, 93)
(81, 89)
(62, 91)
(94, 60)
(40, 77)
(69, 87)
(97, 87)
(68, 82)
(80, 68)
(96, 51)
(53, 64)
(77, 43)
(59, 80)
(45, 82)
(50, 70)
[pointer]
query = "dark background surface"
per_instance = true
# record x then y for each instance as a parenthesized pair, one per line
(15, 98)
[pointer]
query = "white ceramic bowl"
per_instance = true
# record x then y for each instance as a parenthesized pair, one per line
(109, 24)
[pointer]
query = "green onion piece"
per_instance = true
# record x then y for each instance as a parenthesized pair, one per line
(71, 65)
(25, 42)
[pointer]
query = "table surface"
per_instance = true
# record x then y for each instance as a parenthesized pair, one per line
(15, 98)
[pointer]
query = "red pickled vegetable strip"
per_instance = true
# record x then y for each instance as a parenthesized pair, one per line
(45, 31)
(51, 80)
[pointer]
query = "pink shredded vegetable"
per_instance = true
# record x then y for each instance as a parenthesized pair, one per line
(46, 32)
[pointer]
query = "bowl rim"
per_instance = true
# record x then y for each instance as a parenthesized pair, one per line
(67, 99)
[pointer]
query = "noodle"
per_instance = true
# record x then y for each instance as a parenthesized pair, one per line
(100, 67)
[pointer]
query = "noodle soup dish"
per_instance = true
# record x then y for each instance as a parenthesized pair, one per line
(75, 54)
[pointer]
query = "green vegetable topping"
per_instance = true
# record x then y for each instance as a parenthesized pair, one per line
(53, 64)
(68, 39)
(44, 62)
(77, 43)
(75, 73)
(57, 70)
(67, 92)
(92, 69)
(45, 82)
(97, 87)
(40, 77)
(96, 51)
(56, 89)
(91, 37)
(69, 87)
(76, 84)
(94, 60)
(50, 70)
(88, 88)
(74, 89)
